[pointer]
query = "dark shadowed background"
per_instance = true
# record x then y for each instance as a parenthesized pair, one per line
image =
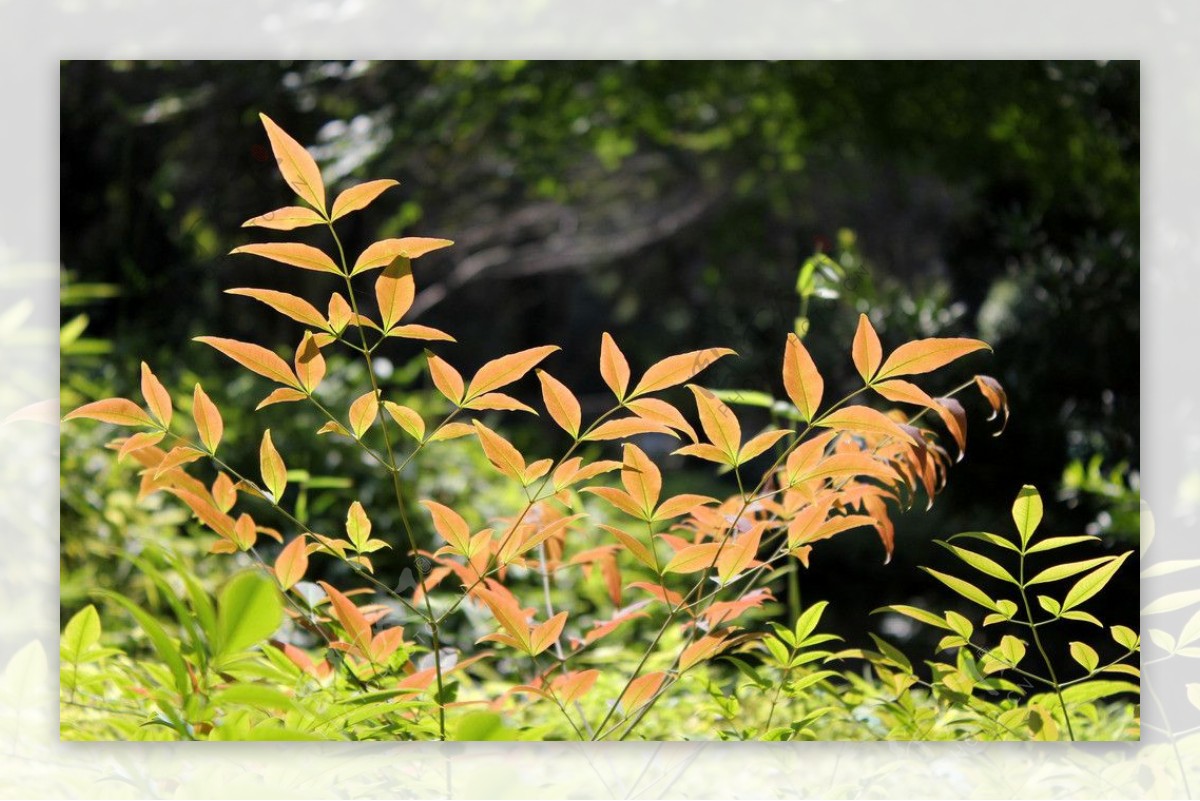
(671, 204)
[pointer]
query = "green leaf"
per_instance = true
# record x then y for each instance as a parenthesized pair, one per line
(928, 618)
(1027, 512)
(1091, 691)
(892, 653)
(257, 695)
(981, 563)
(1059, 572)
(960, 625)
(1125, 637)
(1086, 617)
(1012, 649)
(81, 634)
(1051, 543)
(249, 610)
(777, 649)
(807, 622)
(162, 643)
(988, 537)
(1085, 655)
(1093, 582)
(965, 589)
(1050, 605)
(482, 726)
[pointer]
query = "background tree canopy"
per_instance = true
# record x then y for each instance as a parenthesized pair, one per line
(672, 204)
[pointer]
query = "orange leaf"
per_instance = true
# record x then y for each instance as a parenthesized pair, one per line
(292, 562)
(499, 402)
(719, 422)
(680, 504)
(739, 552)
(310, 364)
(407, 419)
(864, 420)
(760, 443)
(641, 690)
(642, 478)
(925, 355)
(451, 431)
(224, 492)
(561, 403)
(801, 379)
(117, 411)
(298, 309)
(675, 370)
(573, 686)
(245, 532)
(694, 558)
(360, 196)
(620, 499)
(294, 254)
(841, 466)
(274, 472)
(157, 397)
(994, 394)
(545, 635)
(339, 312)
(285, 219)
(414, 331)
(380, 254)
(702, 649)
(703, 450)
(363, 412)
(507, 369)
(805, 525)
(296, 165)
(177, 457)
(500, 452)
(450, 525)
(212, 517)
(659, 411)
(142, 439)
(448, 380)
(640, 551)
(627, 427)
(614, 369)
(866, 351)
(508, 613)
(281, 395)
(350, 617)
(385, 643)
(394, 290)
(255, 358)
(904, 392)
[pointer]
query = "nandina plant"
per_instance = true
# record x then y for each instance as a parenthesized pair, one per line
(686, 569)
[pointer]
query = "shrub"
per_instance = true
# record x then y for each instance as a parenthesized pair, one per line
(555, 592)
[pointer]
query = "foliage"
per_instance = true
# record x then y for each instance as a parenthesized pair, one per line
(491, 607)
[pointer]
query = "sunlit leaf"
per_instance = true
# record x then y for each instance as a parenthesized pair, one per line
(866, 350)
(627, 427)
(395, 290)
(759, 444)
(281, 395)
(739, 553)
(561, 403)
(135, 442)
(1065, 570)
(292, 562)
(675, 370)
(285, 219)
(382, 253)
(614, 369)
(1027, 512)
(545, 634)
(694, 558)
(450, 525)
(358, 526)
(994, 394)
(447, 380)
(801, 379)
(291, 306)
(498, 401)
(640, 551)
(158, 400)
(360, 196)
(117, 411)
(296, 165)
(294, 254)
(408, 419)
(351, 618)
(659, 411)
(255, 358)
(1093, 582)
(363, 412)
(719, 422)
(701, 650)
(981, 563)
(915, 613)
(965, 589)
(507, 369)
(864, 420)
(422, 332)
(1085, 655)
(500, 452)
(274, 472)
(926, 355)
(641, 690)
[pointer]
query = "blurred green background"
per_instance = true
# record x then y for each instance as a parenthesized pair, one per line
(669, 203)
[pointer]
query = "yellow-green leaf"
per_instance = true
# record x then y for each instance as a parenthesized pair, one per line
(358, 526)
(1085, 655)
(1027, 512)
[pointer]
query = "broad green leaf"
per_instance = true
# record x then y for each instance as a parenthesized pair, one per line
(258, 695)
(979, 562)
(1050, 605)
(1093, 582)
(1059, 572)
(163, 646)
(1012, 649)
(1125, 637)
(965, 589)
(991, 539)
(806, 624)
(82, 632)
(960, 625)
(249, 610)
(1027, 512)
